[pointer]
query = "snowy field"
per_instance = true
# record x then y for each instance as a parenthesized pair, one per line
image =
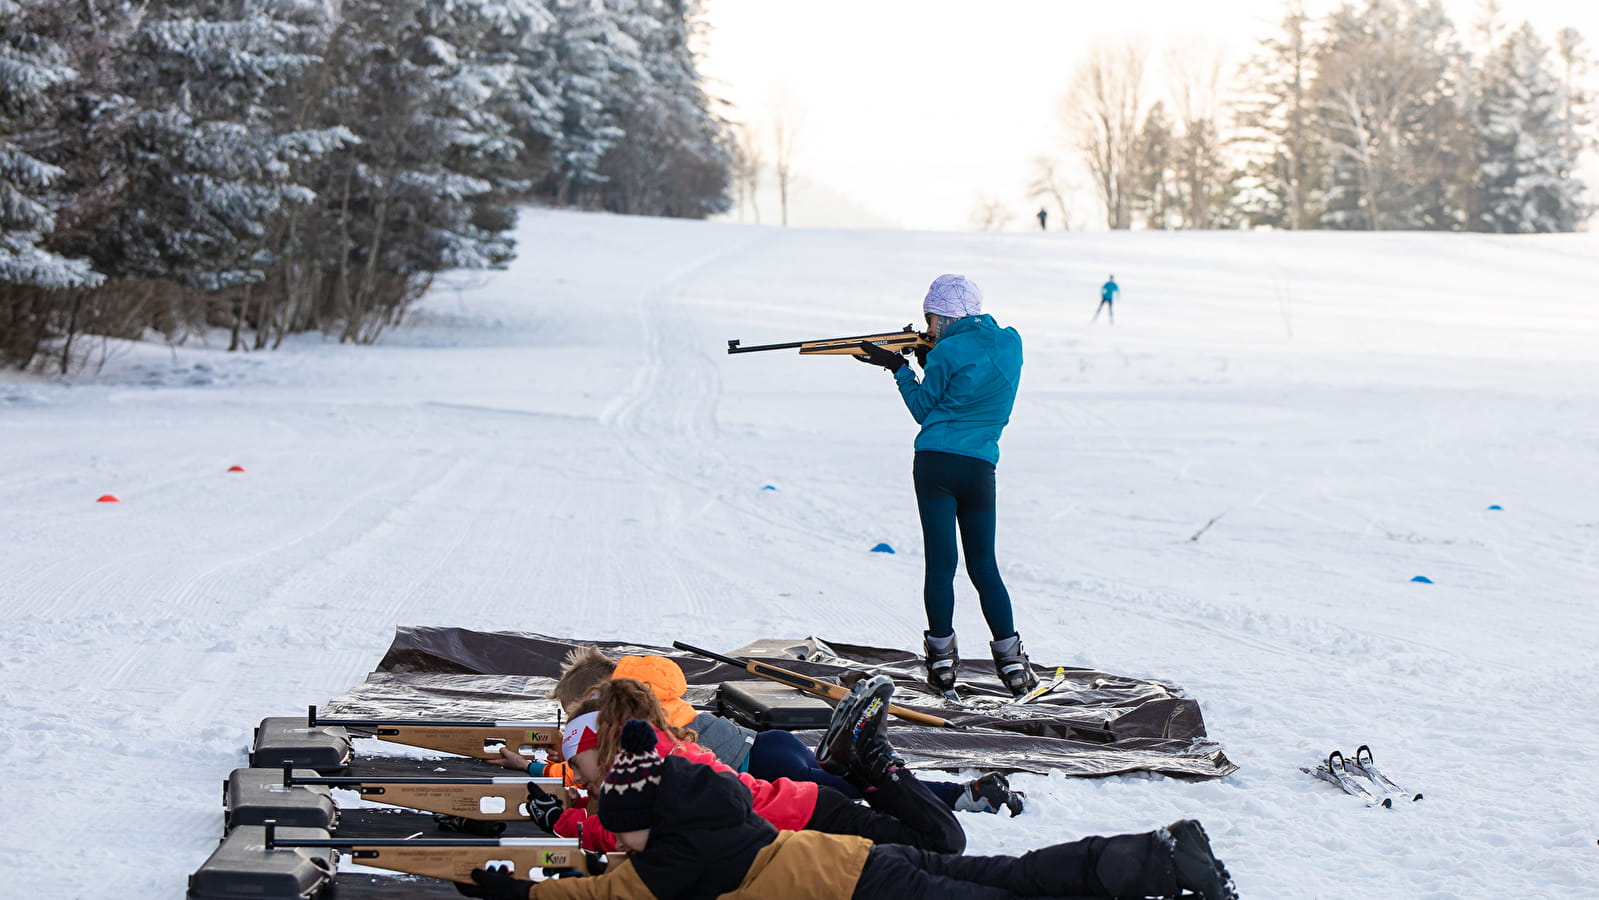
(566, 448)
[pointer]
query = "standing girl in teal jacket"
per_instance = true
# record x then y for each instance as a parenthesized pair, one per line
(962, 402)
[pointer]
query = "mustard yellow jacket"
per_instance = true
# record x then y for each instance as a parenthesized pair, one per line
(799, 865)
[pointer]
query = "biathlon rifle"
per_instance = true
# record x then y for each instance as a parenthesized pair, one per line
(824, 689)
(452, 859)
(482, 740)
(904, 342)
(489, 798)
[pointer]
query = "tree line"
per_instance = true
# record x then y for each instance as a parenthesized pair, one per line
(279, 166)
(1379, 116)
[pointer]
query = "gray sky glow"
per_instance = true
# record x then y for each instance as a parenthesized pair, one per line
(917, 109)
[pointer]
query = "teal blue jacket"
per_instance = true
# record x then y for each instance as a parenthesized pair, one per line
(964, 398)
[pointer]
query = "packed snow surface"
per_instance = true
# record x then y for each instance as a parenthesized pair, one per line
(1231, 488)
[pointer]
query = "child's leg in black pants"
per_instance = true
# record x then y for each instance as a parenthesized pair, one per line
(1130, 865)
(902, 811)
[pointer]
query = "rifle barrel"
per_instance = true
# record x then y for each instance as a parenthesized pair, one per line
(733, 347)
(314, 720)
(274, 842)
(737, 663)
(341, 780)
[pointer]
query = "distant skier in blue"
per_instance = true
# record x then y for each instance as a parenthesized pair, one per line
(1107, 300)
(963, 401)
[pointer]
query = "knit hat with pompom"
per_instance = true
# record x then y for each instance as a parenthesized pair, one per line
(628, 794)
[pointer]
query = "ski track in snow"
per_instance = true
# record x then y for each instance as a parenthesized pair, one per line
(565, 447)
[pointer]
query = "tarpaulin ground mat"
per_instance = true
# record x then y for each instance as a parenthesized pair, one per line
(1095, 724)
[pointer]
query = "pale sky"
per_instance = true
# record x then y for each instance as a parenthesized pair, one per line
(917, 109)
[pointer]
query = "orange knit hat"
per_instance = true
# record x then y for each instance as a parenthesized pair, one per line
(665, 678)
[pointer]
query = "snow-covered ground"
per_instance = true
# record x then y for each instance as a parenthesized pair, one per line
(565, 447)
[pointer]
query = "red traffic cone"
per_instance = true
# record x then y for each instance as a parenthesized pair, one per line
(235, 468)
(108, 498)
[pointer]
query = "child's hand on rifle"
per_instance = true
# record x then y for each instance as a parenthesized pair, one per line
(510, 759)
(495, 883)
(877, 356)
(543, 808)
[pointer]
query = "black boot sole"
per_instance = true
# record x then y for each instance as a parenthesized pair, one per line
(1195, 865)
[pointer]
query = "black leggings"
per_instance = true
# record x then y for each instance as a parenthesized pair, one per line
(954, 490)
(901, 810)
(1129, 865)
(779, 754)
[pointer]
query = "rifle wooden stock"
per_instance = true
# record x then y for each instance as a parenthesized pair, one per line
(451, 859)
(903, 341)
(809, 685)
(491, 798)
(482, 740)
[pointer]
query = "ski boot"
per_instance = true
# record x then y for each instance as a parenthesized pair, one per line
(858, 724)
(876, 762)
(989, 793)
(942, 665)
(1193, 864)
(1012, 665)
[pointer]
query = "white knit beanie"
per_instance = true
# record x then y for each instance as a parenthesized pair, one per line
(955, 296)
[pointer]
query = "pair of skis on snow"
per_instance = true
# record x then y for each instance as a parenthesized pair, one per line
(1043, 688)
(1361, 778)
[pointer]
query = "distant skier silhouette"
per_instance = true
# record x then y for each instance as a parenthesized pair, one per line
(1107, 300)
(1043, 214)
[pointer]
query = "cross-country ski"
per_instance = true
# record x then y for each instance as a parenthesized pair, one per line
(1045, 687)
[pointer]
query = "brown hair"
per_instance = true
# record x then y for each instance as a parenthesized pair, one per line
(622, 699)
(584, 669)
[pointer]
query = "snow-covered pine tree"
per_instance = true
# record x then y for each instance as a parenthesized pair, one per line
(418, 193)
(1525, 158)
(675, 156)
(210, 151)
(30, 67)
(521, 49)
(42, 285)
(584, 54)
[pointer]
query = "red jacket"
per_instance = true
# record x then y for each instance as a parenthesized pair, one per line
(787, 804)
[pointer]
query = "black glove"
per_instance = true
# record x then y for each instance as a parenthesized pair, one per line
(596, 866)
(495, 883)
(877, 356)
(921, 355)
(542, 808)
